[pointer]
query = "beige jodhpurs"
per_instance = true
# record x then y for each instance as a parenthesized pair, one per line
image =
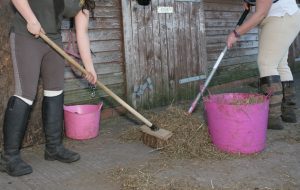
(277, 34)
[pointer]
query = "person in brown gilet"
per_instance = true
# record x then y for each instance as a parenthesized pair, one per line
(279, 24)
(33, 58)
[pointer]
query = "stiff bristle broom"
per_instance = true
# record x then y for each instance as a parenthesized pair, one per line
(151, 135)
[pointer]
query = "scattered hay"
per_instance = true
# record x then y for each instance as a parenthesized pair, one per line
(131, 134)
(148, 177)
(190, 140)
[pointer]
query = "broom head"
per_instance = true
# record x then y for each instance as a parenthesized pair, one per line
(155, 139)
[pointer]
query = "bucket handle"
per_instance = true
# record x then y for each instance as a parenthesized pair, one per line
(201, 86)
(269, 94)
(100, 106)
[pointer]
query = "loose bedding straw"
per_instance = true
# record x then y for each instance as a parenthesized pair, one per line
(148, 177)
(190, 140)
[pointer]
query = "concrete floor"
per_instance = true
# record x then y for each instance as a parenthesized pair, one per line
(278, 167)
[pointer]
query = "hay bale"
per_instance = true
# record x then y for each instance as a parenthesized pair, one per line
(34, 133)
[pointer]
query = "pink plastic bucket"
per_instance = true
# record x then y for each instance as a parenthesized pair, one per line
(82, 121)
(237, 122)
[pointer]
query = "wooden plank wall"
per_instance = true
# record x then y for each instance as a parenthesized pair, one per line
(105, 32)
(163, 48)
(240, 61)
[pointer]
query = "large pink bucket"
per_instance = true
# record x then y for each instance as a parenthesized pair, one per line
(237, 122)
(82, 121)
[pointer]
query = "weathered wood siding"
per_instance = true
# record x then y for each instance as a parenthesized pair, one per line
(240, 61)
(163, 48)
(105, 32)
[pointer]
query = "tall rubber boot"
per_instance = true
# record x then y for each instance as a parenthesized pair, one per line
(272, 85)
(288, 102)
(15, 124)
(53, 127)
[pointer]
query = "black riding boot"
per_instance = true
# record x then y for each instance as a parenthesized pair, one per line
(288, 102)
(272, 85)
(53, 127)
(14, 127)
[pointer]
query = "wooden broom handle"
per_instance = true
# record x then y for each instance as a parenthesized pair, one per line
(101, 85)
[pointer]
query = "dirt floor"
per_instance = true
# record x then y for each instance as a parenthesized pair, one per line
(110, 163)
